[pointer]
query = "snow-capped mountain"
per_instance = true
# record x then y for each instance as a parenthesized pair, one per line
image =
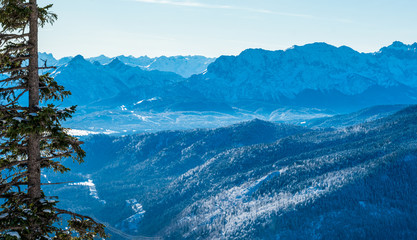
(255, 180)
(257, 83)
(312, 70)
(90, 82)
(184, 66)
(315, 75)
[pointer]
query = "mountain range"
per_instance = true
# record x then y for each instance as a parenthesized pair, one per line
(326, 149)
(255, 180)
(185, 66)
(314, 75)
(300, 83)
(90, 83)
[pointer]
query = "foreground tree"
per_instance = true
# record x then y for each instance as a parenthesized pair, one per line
(32, 137)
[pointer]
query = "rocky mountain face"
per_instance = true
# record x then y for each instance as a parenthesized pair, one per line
(333, 76)
(255, 180)
(316, 75)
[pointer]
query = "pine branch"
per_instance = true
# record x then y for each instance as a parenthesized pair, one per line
(12, 78)
(15, 48)
(13, 70)
(16, 100)
(16, 147)
(5, 187)
(13, 164)
(12, 36)
(21, 58)
(7, 107)
(97, 229)
(62, 212)
(12, 89)
(66, 154)
(11, 49)
(14, 228)
(42, 160)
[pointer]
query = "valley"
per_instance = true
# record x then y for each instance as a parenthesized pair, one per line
(255, 147)
(257, 176)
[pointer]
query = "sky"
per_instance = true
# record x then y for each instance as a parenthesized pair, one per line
(222, 27)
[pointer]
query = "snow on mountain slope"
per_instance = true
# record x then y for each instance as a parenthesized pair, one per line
(258, 180)
(318, 74)
(136, 77)
(266, 191)
(184, 66)
(272, 75)
(89, 82)
(297, 84)
(362, 116)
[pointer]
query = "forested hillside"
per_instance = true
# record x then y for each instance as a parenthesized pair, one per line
(256, 180)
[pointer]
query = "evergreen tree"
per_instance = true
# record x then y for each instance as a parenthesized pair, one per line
(32, 137)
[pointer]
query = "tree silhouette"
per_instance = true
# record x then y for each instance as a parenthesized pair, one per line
(32, 137)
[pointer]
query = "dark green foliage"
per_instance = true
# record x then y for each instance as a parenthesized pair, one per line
(21, 214)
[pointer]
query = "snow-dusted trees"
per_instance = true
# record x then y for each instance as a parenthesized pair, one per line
(32, 137)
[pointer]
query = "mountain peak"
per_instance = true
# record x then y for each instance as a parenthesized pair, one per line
(46, 54)
(116, 63)
(78, 59)
(322, 47)
(257, 121)
(400, 50)
(317, 45)
(400, 46)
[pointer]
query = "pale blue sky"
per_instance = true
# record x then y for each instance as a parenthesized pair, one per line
(223, 27)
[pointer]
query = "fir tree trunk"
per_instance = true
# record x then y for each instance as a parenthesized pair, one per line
(25, 130)
(34, 168)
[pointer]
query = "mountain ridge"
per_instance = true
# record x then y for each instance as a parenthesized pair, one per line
(257, 82)
(286, 181)
(317, 66)
(185, 66)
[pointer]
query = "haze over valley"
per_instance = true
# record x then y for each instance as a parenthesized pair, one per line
(126, 94)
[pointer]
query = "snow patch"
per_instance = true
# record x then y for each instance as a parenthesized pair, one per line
(131, 222)
(92, 188)
(79, 133)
